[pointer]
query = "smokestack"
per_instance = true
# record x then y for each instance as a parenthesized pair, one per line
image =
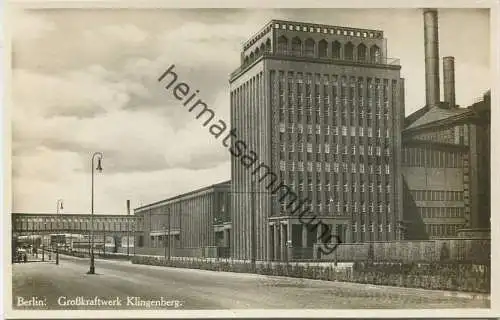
(431, 38)
(128, 207)
(449, 81)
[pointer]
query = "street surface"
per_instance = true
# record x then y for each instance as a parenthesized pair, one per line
(122, 285)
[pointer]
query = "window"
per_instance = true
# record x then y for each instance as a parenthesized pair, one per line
(296, 46)
(353, 131)
(322, 49)
(375, 54)
(344, 130)
(282, 165)
(349, 51)
(309, 50)
(361, 52)
(336, 167)
(282, 44)
(336, 50)
(309, 166)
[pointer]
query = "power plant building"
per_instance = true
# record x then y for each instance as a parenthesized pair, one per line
(323, 107)
(196, 219)
(445, 158)
(318, 116)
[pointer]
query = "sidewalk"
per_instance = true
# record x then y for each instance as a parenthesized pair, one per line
(420, 291)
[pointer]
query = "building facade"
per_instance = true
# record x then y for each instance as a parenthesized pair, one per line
(195, 219)
(322, 106)
(446, 152)
(446, 169)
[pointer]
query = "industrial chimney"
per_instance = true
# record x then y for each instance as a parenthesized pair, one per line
(432, 92)
(128, 207)
(449, 81)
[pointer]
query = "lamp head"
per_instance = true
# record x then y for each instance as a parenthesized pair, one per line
(99, 167)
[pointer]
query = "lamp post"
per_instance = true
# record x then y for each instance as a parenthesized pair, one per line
(169, 233)
(98, 156)
(43, 241)
(59, 206)
(165, 240)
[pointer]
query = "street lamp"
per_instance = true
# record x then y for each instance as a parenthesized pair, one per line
(165, 228)
(98, 156)
(59, 206)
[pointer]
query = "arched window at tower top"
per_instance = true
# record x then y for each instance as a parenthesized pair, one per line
(309, 47)
(322, 49)
(282, 45)
(296, 46)
(349, 51)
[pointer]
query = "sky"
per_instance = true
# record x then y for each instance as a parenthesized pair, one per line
(84, 80)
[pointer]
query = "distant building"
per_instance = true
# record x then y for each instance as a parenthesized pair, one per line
(446, 169)
(197, 219)
(446, 151)
(323, 107)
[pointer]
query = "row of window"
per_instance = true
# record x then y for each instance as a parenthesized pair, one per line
(336, 167)
(443, 230)
(372, 227)
(334, 119)
(346, 187)
(429, 195)
(375, 179)
(335, 50)
(454, 135)
(420, 157)
(344, 130)
(301, 94)
(327, 121)
(325, 148)
(336, 208)
(333, 139)
(335, 157)
(376, 86)
(441, 212)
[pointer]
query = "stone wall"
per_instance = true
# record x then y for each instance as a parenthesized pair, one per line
(437, 276)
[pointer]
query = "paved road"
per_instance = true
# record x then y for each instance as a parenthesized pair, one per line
(50, 286)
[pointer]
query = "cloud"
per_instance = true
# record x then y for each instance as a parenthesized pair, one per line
(99, 92)
(83, 93)
(29, 25)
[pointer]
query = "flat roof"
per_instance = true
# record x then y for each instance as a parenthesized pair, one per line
(220, 184)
